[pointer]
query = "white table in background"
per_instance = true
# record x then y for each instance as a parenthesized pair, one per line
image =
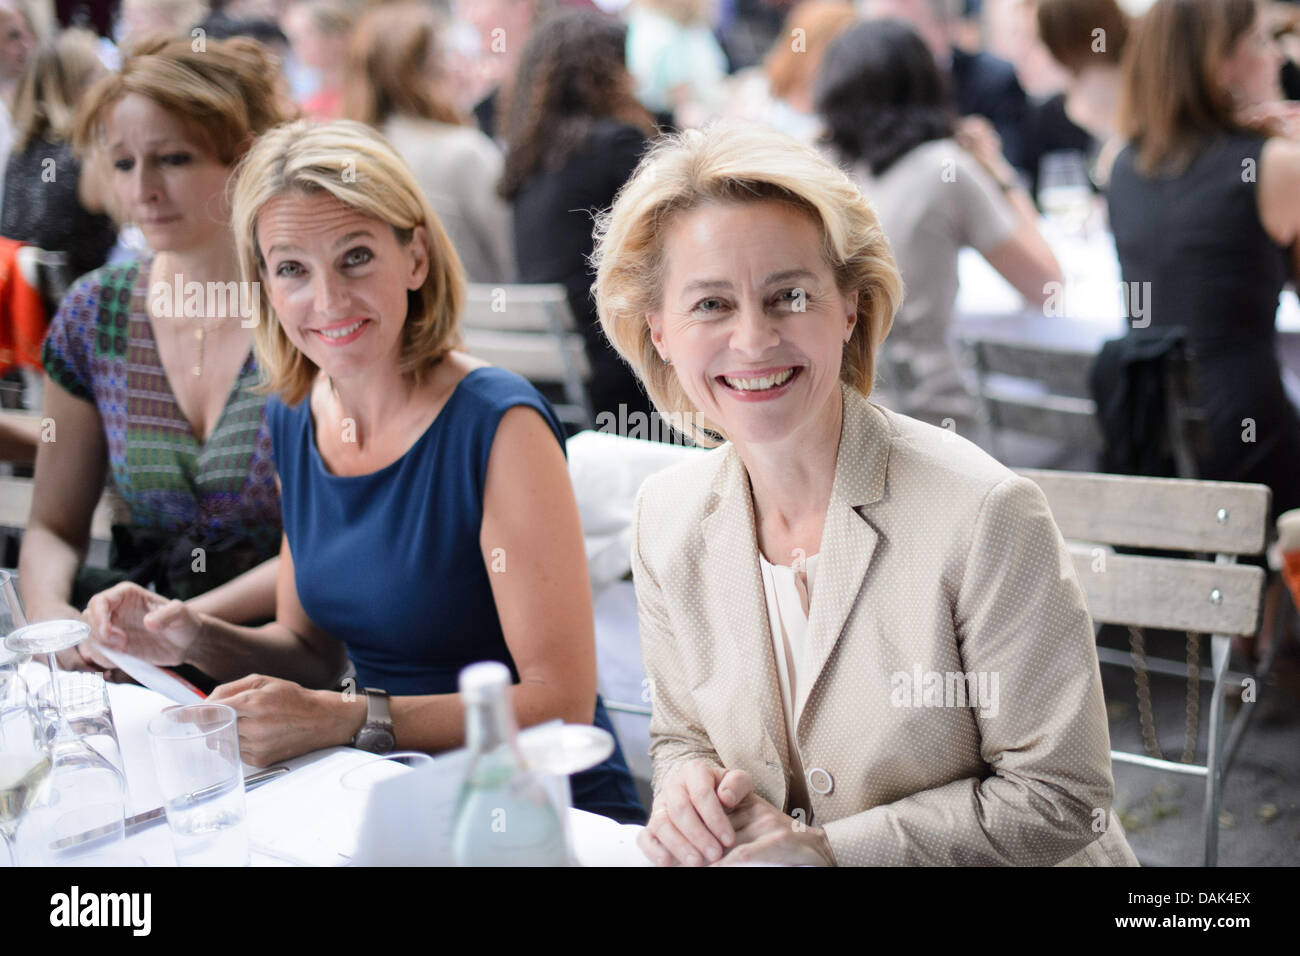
(1092, 303)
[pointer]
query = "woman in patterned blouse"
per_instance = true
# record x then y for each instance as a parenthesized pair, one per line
(150, 373)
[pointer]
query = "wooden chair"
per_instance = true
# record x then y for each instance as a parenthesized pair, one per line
(1040, 390)
(16, 508)
(529, 329)
(1195, 594)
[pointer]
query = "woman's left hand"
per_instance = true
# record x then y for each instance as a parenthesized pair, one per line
(279, 719)
(766, 835)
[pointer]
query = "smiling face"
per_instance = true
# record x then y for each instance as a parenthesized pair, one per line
(166, 182)
(751, 319)
(338, 281)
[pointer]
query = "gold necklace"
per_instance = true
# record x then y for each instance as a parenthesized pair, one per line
(201, 334)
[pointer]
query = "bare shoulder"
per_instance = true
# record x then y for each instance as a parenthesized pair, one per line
(460, 364)
(1279, 189)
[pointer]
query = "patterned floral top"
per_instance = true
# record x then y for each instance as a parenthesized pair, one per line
(221, 493)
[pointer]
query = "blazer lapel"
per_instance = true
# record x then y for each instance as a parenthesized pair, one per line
(848, 539)
(732, 573)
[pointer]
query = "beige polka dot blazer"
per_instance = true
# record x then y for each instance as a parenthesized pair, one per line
(950, 705)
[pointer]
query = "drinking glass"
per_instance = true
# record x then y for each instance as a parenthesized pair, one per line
(24, 757)
(80, 821)
(86, 714)
(1065, 191)
(196, 757)
(11, 618)
(48, 638)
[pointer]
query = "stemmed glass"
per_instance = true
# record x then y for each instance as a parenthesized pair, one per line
(1065, 191)
(48, 638)
(24, 756)
(11, 618)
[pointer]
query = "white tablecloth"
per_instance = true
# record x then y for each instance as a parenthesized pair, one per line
(1091, 298)
(305, 817)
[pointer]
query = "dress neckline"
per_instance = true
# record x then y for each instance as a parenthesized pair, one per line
(319, 462)
(139, 311)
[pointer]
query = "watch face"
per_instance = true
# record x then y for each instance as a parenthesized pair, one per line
(376, 740)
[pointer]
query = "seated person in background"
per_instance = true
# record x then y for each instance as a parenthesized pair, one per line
(428, 514)
(1205, 207)
(795, 584)
(1091, 98)
(397, 83)
(779, 92)
(886, 122)
(142, 390)
(575, 131)
(50, 201)
(981, 84)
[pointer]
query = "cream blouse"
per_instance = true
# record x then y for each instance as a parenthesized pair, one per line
(788, 600)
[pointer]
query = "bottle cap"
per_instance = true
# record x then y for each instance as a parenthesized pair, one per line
(483, 681)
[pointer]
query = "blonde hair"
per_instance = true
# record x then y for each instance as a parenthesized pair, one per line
(223, 95)
(354, 164)
(733, 161)
(58, 73)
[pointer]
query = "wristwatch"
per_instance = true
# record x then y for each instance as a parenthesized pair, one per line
(376, 734)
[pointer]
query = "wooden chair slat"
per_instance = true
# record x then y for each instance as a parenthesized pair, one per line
(1173, 514)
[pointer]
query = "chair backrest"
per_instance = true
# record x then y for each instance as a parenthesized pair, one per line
(1038, 390)
(529, 329)
(1226, 519)
(16, 508)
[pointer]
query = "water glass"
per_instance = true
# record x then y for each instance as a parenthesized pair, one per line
(80, 821)
(86, 713)
(196, 757)
(1065, 191)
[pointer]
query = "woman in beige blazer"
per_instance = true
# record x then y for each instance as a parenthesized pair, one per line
(865, 640)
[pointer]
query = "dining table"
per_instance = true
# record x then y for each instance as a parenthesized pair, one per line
(1089, 307)
(305, 817)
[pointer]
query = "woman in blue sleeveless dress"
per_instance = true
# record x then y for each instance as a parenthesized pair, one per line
(429, 518)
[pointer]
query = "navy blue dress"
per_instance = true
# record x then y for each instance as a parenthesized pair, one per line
(390, 564)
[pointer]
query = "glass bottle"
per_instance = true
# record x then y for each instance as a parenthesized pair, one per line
(504, 815)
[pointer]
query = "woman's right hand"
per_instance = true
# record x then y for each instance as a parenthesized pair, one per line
(1279, 118)
(688, 824)
(129, 618)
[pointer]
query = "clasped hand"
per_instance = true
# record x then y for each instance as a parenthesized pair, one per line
(704, 814)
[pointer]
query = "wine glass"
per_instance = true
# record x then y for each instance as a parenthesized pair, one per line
(48, 638)
(11, 618)
(24, 757)
(1065, 191)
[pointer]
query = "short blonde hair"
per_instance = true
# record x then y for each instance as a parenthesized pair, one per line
(354, 164)
(735, 162)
